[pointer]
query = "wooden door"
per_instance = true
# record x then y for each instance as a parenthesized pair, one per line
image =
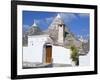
(48, 54)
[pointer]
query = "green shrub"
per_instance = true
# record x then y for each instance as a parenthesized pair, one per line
(74, 54)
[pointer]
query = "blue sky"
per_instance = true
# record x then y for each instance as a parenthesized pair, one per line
(78, 23)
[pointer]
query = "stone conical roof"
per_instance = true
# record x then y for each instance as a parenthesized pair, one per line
(34, 29)
(57, 20)
(53, 28)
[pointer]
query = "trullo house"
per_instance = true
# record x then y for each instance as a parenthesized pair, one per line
(44, 48)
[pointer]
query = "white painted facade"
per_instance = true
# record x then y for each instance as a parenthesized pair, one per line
(61, 55)
(34, 51)
(84, 60)
(38, 40)
(32, 54)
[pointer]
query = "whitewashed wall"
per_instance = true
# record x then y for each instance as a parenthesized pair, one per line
(32, 54)
(84, 60)
(61, 55)
(34, 51)
(37, 40)
(35, 54)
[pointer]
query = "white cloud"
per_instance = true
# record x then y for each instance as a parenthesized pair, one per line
(37, 21)
(26, 26)
(44, 21)
(68, 16)
(65, 16)
(49, 19)
(85, 36)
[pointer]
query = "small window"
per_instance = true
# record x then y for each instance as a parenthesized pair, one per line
(60, 25)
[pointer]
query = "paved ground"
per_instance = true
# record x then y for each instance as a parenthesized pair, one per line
(41, 65)
(61, 65)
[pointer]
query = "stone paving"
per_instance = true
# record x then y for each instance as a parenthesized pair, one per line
(27, 65)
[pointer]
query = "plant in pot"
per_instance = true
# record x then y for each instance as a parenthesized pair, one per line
(74, 55)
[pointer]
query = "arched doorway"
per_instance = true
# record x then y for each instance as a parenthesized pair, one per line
(48, 53)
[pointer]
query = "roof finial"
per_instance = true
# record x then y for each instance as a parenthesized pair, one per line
(34, 24)
(58, 16)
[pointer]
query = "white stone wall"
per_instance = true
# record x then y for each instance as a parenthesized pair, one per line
(37, 40)
(32, 54)
(84, 60)
(61, 55)
(34, 51)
